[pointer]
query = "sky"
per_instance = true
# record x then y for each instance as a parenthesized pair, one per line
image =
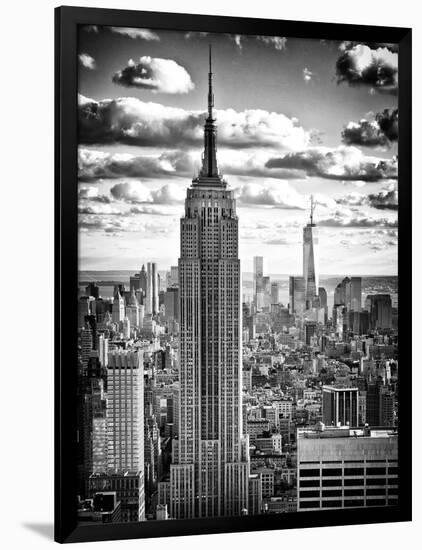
(295, 118)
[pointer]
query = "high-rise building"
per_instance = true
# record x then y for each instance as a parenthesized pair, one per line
(138, 282)
(340, 406)
(275, 293)
(132, 310)
(93, 290)
(355, 303)
(118, 311)
(346, 468)
(129, 489)
(322, 293)
(92, 432)
(258, 281)
(171, 304)
(173, 279)
(310, 258)
(379, 405)
(152, 289)
(380, 311)
(296, 295)
(310, 328)
(340, 292)
(125, 410)
(210, 464)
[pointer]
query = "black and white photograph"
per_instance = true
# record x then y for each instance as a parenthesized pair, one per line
(237, 275)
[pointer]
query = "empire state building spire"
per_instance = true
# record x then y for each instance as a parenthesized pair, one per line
(209, 172)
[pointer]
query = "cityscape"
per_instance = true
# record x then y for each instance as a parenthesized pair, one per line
(205, 390)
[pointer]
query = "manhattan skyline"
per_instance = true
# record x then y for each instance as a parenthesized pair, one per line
(196, 397)
(298, 131)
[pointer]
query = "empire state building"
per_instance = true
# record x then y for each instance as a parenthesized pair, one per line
(210, 466)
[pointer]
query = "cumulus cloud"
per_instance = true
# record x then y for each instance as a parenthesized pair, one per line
(278, 195)
(361, 65)
(344, 219)
(87, 61)
(94, 164)
(155, 74)
(278, 42)
(103, 165)
(352, 199)
(131, 121)
(99, 209)
(342, 163)
(384, 200)
(349, 44)
(92, 194)
(108, 224)
(380, 130)
(143, 34)
(132, 192)
(135, 192)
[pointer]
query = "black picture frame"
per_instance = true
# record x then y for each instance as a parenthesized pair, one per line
(67, 20)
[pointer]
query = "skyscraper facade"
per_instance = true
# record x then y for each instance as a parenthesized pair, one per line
(296, 295)
(258, 281)
(310, 258)
(210, 470)
(152, 289)
(125, 411)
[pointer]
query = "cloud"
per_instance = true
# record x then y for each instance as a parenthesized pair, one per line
(307, 74)
(343, 163)
(94, 165)
(352, 199)
(360, 65)
(170, 193)
(135, 192)
(346, 219)
(134, 33)
(99, 209)
(143, 34)
(278, 42)
(87, 61)
(92, 194)
(384, 200)
(155, 74)
(149, 210)
(279, 241)
(381, 130)
(131, 121)
(278, 195)
(131, 192)
(349, 44)
(108, 224)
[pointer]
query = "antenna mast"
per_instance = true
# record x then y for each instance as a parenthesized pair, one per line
(312, 209)
(210, 92)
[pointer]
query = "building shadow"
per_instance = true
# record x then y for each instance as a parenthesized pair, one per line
(45, 530)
